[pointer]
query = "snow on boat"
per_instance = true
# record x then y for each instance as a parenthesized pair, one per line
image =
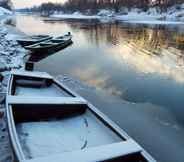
(33, 39)
(49, 122)
(51, 45)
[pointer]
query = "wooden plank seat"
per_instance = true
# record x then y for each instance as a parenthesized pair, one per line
(45, 100)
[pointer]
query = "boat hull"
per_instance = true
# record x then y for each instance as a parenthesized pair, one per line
(51, 48)
(108, 143)
(25, 42)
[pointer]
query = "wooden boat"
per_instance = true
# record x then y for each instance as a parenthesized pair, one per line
(33, 39)
(48, 122)
(51, 45)
(37, 57)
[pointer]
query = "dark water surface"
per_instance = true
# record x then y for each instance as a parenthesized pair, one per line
(137, 63)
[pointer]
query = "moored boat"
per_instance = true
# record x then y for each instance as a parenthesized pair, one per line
(33, 39)
(51, 45)
(47, 122)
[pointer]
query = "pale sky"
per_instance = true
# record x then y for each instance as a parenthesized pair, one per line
(30, 3)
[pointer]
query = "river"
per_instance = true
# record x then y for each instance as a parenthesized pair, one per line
(136, 63)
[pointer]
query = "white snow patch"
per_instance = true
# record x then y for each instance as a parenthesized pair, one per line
(46, 91)
(4, 11)
(105, 13)
(66, 135)
(75, 15)
(151, 16)
(11, 54)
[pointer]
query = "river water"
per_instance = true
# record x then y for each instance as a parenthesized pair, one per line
(140, 64)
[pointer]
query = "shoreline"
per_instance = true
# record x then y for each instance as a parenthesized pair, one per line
(11, 57)
(109, 20)
(11, 52)
(152, 16)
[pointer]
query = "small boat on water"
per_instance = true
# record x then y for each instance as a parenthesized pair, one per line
(33, 39)
(48, 122)
(51, 45)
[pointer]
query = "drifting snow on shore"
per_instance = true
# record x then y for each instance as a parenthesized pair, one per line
(4, 11)
(11, 54)
(174, 15)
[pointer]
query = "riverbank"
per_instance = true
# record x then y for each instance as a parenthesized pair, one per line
(11, 57)
(174, 15)
(11, 54)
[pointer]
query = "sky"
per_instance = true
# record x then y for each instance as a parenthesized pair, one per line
(30, 3)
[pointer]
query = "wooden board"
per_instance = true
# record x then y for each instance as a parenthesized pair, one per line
(6, 154)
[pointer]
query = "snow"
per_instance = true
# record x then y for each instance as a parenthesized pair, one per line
(151, 16)
(105, 13)
(101, 153)
(4, 11)
(66, 135)
(11, 53)
(72, 16)
(154, 22)
(47, 91)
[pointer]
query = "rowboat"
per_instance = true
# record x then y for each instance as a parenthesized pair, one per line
(51, 45)
(37, 57)
(48, 122)
(33, 39)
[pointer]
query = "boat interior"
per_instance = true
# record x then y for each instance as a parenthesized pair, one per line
(39, 36)
(50, 42)
(35, 38)
(49, 123)
(59, 129)
(32, 86)
(66, 128)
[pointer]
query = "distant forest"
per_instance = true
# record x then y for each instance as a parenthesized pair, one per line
(93, 6)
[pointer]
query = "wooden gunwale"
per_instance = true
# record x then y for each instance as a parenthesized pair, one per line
(103, 118)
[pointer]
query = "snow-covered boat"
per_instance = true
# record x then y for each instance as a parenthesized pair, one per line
(33, 39)
(48, 122)
(51, 45)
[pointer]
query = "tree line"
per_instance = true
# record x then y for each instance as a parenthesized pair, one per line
(93, 6)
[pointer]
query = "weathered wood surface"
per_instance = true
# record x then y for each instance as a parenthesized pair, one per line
(5, 147)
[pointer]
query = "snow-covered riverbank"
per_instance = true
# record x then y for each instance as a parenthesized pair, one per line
(11, 53)
(174, 15)
(11, 57)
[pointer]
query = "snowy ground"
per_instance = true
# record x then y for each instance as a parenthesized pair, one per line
(11, 53)
(11, 57)
(174, 15)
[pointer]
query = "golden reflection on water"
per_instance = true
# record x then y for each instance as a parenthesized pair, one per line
(92, 76)
(146, 50)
